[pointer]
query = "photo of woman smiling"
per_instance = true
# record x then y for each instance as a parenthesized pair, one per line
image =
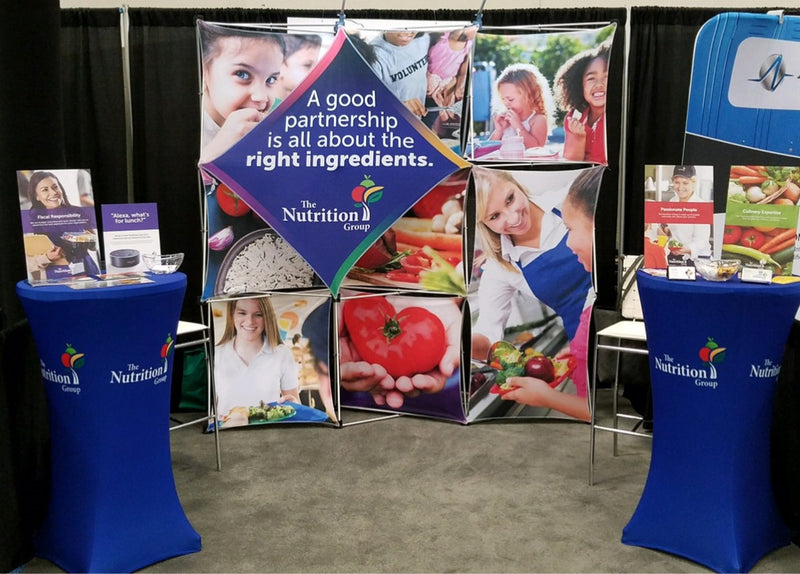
(532, 280)
(251, 362)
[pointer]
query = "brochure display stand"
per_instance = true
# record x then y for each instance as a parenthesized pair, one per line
(715, 355)
(106, 356)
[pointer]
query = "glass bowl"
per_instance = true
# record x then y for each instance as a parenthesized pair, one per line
(162, 263)
(717, 269)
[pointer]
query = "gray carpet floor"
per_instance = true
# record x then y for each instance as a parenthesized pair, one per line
(409, 494)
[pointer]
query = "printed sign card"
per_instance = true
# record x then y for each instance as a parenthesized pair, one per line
(129, 230)
(761, 216)
(678, 214)
(58, 225)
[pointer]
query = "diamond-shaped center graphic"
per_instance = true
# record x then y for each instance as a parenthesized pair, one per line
(336, 164)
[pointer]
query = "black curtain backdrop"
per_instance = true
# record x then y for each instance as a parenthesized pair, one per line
(659, 73)
(94, 113)
(31, 136)
(78, 122)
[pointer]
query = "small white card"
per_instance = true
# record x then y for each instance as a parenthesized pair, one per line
(753, 274)
(681, 272)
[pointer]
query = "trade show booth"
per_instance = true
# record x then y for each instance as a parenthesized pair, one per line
(422, 222)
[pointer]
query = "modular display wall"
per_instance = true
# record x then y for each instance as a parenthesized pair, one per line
(436, 181)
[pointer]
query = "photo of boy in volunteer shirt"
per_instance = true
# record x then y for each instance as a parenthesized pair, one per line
(400, 59)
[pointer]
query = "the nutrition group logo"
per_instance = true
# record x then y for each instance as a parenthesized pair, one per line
(710, 354)
(366, 193)
(135, 373)
(166, 348)
(71, 360)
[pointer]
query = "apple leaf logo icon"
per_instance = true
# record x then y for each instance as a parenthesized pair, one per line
(72, 359)
(712, 353)
(365, 193)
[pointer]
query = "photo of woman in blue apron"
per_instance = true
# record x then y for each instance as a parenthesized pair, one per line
(526, 274)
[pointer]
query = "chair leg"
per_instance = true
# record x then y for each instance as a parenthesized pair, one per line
(615, 401)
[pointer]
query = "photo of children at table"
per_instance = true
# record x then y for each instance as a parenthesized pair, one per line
(525, 106)
(525, 258)
(580, 88)
(549, 96)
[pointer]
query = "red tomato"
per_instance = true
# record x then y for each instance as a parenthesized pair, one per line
(406, 343)
(231, 203)
(733, 233)
(402, 276)
(752, 238)
(416, 262)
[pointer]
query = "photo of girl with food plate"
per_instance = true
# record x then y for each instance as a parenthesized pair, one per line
(270, 360)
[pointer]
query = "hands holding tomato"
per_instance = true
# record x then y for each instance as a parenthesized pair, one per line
(397, 349)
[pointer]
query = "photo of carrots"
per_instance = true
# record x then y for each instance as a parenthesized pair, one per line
(784, 239)
(747, 170)
(751, 179)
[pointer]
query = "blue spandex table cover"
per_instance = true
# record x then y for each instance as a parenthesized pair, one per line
(105, 360)
(715, 351)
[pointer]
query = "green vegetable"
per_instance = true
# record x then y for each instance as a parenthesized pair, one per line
(737, 197)
(509, 371)
(785, 255)
(266, 413)
(442, 276)
(739, 251)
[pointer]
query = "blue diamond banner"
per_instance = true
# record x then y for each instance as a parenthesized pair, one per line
(336, 163)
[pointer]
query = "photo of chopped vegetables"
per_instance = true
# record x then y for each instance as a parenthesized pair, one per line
(422, 250)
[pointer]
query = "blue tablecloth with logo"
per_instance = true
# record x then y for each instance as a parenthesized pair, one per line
(715, 351)
(106, 355)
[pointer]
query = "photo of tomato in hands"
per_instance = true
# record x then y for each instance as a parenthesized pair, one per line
(405, 343)
(400, 352)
